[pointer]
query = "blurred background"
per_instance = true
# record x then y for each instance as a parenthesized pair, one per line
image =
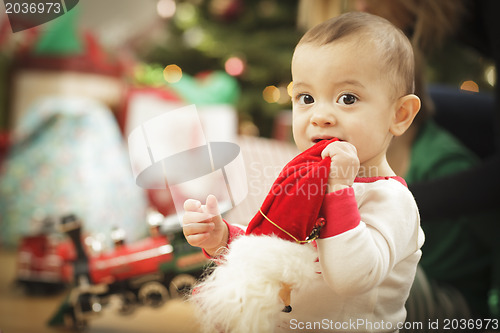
(250, 40)
(72, 89)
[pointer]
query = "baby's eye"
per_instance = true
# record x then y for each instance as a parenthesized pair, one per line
(305, 99)
(347, 99)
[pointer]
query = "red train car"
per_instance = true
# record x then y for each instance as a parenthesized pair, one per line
(146, 272)
(45, 262)
(131, 260)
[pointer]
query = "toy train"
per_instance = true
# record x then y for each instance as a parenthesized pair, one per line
(44, 260)
(146, 272)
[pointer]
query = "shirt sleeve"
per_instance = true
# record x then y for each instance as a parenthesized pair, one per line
(340, 210)
(233, 232)
(357, 255)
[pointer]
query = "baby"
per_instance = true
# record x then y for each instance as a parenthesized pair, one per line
(353, 79)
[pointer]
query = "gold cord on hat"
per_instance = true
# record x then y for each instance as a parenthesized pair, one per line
(313, 236)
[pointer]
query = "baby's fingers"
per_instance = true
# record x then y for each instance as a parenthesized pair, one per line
(192, 205)
(339, 147)
(198, 228)
(195, 217)
(212, 206)
(197, 233)
(197, 239)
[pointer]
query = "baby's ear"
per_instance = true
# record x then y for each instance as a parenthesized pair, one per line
(406, 109)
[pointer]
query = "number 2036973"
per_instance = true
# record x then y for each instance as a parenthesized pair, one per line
(32, 7)
(470, 324)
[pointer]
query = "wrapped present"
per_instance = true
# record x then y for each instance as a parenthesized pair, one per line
(67, 156)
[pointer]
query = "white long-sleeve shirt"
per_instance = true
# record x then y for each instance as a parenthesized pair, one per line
(368, 254)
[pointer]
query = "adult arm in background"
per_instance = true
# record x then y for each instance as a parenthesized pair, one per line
(475, 189)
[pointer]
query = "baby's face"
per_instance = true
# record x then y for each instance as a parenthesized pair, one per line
(338, 91)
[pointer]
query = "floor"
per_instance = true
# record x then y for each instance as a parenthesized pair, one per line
(21, 313)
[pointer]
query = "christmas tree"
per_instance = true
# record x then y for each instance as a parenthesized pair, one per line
(253, 40)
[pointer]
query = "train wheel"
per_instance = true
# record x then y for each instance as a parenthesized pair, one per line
(181, 285)
(153, 294)
(128, 303)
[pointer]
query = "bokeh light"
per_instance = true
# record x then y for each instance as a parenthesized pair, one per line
(172, 73)
(234, 66)
(289, 89)
(469, 86)
(166, 8)
(284, 97)
(193, 37)
(490, 75)
(271, 94)
(186, 15)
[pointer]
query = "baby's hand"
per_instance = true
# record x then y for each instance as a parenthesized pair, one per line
(344, 166)
(203, 226)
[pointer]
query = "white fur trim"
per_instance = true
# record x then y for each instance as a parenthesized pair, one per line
(241, 294)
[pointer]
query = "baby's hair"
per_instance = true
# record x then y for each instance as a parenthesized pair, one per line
(394, 48)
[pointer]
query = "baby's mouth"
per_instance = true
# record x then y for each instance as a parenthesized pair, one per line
(316, 140)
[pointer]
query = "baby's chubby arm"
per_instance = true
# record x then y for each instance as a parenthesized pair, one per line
(344, 166)
(203, 225)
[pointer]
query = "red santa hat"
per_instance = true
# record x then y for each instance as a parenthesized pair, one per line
(290, 210)
(242, 292)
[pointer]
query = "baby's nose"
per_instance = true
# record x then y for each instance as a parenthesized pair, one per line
(323, 119)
